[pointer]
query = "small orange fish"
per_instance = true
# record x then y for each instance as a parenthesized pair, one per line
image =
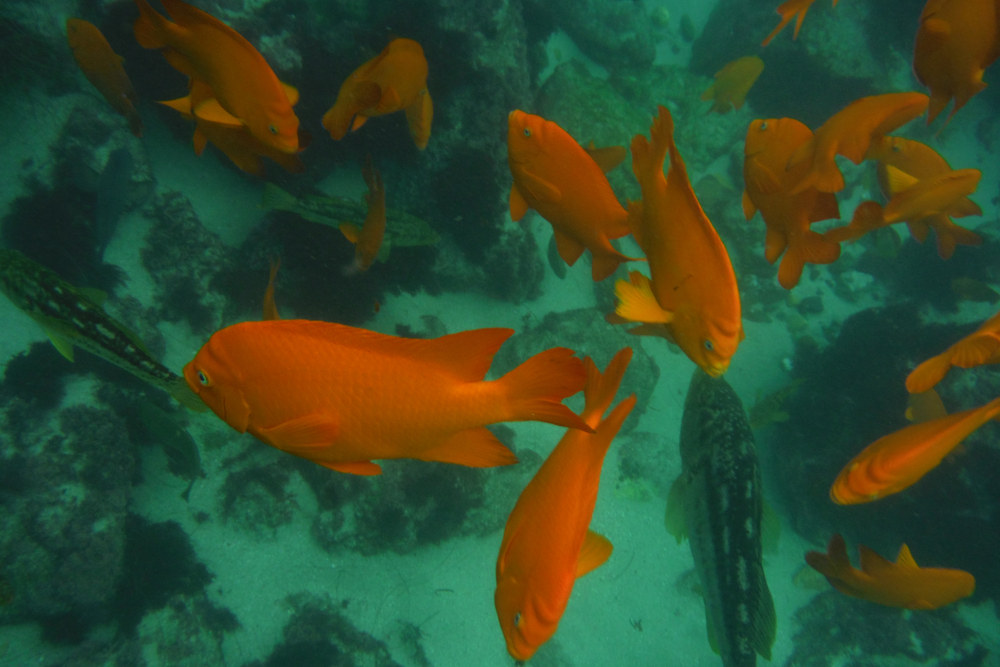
(732, 83)
(245, 89)
(980, 347)
(693, 287)
(937, 196)
(103, 68)
(269, 307)
(547, 543)
(900, 584)
(394, 80)
(898, 460)
(956, 41)
(235, 141)
(769, 144)
(340, 396)
(561, 180)
(368, 238)
(850, 132)
(789, 10)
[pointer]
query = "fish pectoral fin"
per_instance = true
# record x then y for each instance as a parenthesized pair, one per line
(674, 516)
(474, 447)
(637, 303)
(291, 92)
(350, 231)
(303, 434)
(606, 157)
(211, 111)
(61, 343)
(713, 640)
(539, 188)
(595, 551)
(518, 204)
(366, 468)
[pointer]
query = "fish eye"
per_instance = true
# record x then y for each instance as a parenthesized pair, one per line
(273, 129)
(708, 345)
(203, 379)
(527, 131)
(517, 619)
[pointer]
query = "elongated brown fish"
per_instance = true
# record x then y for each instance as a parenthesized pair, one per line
(73, 317)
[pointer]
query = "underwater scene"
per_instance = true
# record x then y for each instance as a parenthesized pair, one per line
(494, 332)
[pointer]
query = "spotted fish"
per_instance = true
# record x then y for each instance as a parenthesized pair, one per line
(73, 317)
(717, 502)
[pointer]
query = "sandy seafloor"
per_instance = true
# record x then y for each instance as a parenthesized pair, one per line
(639, 609)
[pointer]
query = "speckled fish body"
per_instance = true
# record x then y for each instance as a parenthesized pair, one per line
(722, 512)
(71, 318)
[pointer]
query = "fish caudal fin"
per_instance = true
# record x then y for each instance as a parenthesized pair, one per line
(474, 447)
(600, 388)
(149, 27)
(833, 564)
(535, 389)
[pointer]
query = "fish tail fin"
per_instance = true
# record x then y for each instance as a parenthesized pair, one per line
(536, 388)
(928, 373)
(184, 395)
(600, 388)
(834, 562)
(149, 28)
(648, 154)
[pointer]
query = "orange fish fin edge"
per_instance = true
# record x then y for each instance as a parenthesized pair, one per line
(474, 448)
(302, 435)
(594, 552)
(601, 387)
(535, 389)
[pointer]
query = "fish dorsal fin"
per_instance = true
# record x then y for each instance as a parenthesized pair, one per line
(291, 92)
(873, 564)
(905, 558)
(518, 204)
(674, 516)
(61, 343)
(211, 111)
(594, 553)
(606, 157)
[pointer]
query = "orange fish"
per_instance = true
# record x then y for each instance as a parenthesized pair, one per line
(103, 68)
(850, 132)
(245, 89)
(937, 196)
(269, 307)
(340, 396)
(693, 287)
(956, 41)
(789, 10)
(900, 584)
(235, 141)
(980, 347)
(561, 180)
(732, 83)
(547, 543)
(368, 239)
(769, 144)
(394, 80)
(913, 161)
(898, 460)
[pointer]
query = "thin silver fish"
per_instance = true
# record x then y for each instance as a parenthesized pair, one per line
(71, 316)
(718, 499)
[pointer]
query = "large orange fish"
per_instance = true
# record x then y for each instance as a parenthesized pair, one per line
(547, 543)
(850, 132)
(769, 144)
(902, 162)
(103, 68)
(367, 239)
(692, 289)
(789, 10)
(732, 83)
(936, 197)
(956, 41)
(561, 180)
(980, 347)
(394, 80)
(900, 584)
(245, 89)
(340, 396)
(235, 141)
(898, 460)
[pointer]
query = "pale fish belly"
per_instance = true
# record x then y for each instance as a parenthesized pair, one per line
(722, 512)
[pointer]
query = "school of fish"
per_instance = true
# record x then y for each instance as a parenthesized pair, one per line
(345, 397)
